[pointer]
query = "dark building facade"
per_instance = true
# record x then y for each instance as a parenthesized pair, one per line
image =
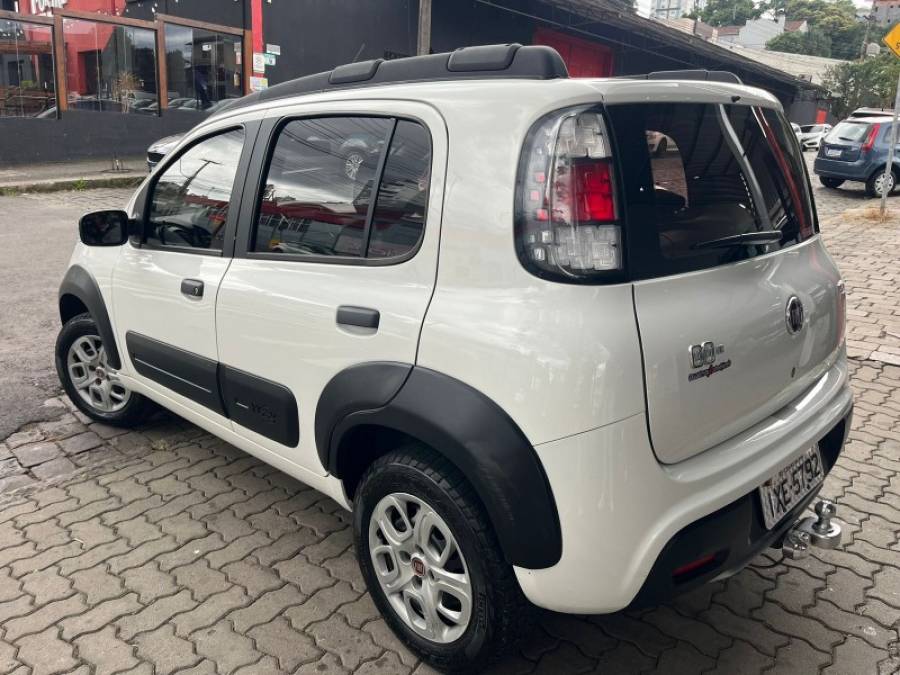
(105, 78)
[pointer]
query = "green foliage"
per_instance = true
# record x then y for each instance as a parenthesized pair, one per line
(814, 42)
(871, 82)
(730, 12)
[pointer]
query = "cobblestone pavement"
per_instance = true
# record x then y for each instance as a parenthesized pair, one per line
(164, 550)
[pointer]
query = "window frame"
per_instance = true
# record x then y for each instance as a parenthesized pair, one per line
(145, 202)
(258, 172)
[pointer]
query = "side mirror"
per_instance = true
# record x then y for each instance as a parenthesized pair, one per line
(104, 228)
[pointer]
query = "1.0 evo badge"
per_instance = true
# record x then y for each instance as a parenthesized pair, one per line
(704, 356)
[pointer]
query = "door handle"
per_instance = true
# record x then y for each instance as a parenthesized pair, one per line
(193, 288)
(363, 317)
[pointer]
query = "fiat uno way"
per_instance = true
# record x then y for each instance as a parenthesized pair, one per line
(538, 362)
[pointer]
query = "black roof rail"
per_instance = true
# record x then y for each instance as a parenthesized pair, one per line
(534, 62)
(709, 75)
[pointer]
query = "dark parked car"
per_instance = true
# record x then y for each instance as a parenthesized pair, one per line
(856, 150)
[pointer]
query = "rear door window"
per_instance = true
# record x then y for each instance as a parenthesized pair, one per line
(344, 188)
(725, 170)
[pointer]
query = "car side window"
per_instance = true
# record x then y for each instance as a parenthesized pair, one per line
(190, 200)
(322, 178)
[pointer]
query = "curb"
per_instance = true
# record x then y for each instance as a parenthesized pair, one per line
(72, 184)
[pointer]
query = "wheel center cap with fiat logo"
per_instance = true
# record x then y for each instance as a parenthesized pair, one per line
(418, 567)
(793, 315)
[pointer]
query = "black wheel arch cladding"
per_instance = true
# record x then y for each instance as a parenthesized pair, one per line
(466, 427)
(79, 283)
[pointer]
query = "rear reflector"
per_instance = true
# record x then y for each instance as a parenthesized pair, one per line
(694, 567)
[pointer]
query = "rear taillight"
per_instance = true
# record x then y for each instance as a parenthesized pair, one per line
(841, 312)
(566, 213)
(869, 143)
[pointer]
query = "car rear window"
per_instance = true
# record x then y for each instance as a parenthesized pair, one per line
(724, 170)
(849, 131)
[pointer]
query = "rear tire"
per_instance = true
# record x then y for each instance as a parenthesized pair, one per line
(873, 185)
(90, 383)
(414, 495)
(832, 183)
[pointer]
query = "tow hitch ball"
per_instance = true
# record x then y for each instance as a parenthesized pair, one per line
(818, 531)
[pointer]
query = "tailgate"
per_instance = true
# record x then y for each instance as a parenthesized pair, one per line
(741, 309)
(732, 327)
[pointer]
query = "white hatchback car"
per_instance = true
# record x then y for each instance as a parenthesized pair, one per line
(536, 361)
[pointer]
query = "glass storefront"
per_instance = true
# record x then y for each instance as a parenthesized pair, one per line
(110, 68)
(204, 68)
(27, 85)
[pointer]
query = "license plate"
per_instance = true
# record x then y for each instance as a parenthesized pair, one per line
(833, 152)
(787, 488)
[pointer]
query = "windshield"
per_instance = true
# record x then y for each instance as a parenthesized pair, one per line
(810, 128)
(848, 131)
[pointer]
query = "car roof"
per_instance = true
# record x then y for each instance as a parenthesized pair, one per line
(521, 75)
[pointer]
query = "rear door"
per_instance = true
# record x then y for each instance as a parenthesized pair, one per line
(730, 333)
(335, 261)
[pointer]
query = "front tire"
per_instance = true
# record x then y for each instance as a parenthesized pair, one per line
(873, 185)
(89, 381)
(832, 183)
(432, 562)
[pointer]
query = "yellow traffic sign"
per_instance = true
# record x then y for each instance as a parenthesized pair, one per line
(892, 39)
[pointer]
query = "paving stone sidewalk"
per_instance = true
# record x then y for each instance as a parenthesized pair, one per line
(165, 550)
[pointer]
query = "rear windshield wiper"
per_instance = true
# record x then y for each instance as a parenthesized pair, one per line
(745, 239)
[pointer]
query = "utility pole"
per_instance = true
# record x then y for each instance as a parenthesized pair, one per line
(424, 41)
(892, 40)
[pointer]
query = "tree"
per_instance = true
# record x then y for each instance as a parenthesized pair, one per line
(730, 12)
(814, 42)
(836, 19)
(862, 83)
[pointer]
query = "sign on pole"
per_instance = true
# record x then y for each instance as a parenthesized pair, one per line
(892, 40)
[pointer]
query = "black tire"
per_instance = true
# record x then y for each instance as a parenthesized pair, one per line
(870, 184)
(134, 411)
(500, 610)
(661, 148)
(831, 182)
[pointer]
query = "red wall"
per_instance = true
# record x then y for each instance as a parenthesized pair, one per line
(583, 57)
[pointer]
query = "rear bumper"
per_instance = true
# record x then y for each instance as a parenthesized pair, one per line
(834, 168)
(628, 521)
(728, 538)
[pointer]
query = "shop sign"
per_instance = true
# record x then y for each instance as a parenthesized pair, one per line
(42, 6)
(270, 59)
(259, 62)
(258, 83)
(274, 49)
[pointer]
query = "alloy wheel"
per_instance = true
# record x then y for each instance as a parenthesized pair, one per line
(880, 183)
(96, 382)
(420, 567)
(352, 164)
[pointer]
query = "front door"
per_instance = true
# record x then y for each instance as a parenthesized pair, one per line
(166, 283)
(334, 266)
